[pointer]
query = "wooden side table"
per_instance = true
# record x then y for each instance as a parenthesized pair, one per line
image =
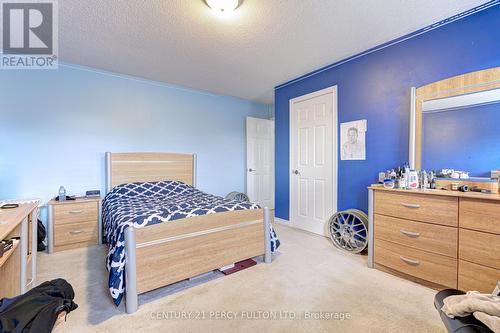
(74, 223)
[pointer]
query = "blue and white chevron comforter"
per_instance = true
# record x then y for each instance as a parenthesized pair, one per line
(142, 204)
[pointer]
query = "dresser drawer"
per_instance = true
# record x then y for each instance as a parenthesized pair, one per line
(67, 234)
(480, 248)
(419, 207)
(424, 236)
(427, 266)
(482, 215)
(75, 212)
(476, 277)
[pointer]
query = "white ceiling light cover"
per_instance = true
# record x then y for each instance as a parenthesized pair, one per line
(223, 5)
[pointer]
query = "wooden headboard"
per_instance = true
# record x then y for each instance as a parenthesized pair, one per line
(124, 168)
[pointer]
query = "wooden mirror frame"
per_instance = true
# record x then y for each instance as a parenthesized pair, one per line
(468, 83)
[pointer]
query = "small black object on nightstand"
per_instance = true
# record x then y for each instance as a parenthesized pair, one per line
(68, 198)
(93, 194)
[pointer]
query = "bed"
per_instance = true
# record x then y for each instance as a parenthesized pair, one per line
(160, 229)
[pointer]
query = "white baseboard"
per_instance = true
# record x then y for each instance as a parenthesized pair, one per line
(278, 220)
(287, 224)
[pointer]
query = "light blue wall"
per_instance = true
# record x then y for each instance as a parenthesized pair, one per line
(56, 125)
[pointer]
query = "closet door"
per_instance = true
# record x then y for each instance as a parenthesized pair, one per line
(313, 125)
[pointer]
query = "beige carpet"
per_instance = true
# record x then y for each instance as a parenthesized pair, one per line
(307, 276)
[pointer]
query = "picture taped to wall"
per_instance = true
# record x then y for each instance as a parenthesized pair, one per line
(352, 140)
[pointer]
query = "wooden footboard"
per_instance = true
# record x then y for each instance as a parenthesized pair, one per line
(174, 251)
(166, 253)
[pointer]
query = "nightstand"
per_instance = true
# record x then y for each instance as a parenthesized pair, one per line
(74, 223)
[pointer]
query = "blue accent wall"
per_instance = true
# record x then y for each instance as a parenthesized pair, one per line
(376, 87)
(56, 125)
(464, 139)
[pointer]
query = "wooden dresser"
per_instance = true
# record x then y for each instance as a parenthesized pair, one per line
(18, 266)
(435, 237)
(74, 223)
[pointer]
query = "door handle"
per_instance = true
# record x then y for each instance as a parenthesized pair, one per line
(410, 233)
(251, 170)
(76, 232)
(410, 261)
(296, 172)
(407, 205)
(75, 212)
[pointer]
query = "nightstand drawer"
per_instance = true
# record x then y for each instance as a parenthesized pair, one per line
(424, 265)
(76, 233)
(75, 212)
(423, 236)
(432, 209)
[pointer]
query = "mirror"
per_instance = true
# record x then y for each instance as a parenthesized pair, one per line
(462, 138)
(455, 124)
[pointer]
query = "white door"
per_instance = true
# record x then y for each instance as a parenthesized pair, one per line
(260, 161)
(313, 160)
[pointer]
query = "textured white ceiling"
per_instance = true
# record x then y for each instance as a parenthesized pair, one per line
(264, 43)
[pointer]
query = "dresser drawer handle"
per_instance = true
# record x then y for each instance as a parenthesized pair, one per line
(75, 212)
(407, 205)
(410, 233)
(76, 232)
(410, 261)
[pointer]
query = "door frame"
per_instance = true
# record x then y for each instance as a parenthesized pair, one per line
(334, 91)
(273, 158)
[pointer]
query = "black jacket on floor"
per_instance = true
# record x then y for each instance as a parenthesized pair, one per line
(37, 310)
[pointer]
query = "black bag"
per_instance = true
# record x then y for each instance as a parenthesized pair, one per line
(38, 309)
(42, 233)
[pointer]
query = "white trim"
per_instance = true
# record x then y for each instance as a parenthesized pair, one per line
(392, 42)
(330, 90)
(272, 204)
(283, 222)
(413, 120)
(280, 221)
(287, 224)
(461, 101)
(142, 80)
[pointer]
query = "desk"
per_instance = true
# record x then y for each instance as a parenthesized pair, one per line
(19, 263)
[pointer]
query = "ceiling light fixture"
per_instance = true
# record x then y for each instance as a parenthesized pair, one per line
(223, 6)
